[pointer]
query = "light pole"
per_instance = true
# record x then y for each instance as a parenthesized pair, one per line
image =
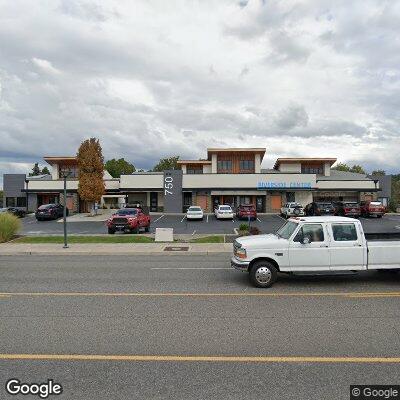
(65, 173)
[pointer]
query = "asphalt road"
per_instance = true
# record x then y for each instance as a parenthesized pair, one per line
(133, 312)
(266, 223)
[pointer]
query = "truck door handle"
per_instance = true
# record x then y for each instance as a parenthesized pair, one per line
(357, 245)
(324, 245)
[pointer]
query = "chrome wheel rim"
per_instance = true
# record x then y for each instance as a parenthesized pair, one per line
(263, 275)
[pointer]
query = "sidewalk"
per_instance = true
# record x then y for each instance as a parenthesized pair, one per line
(7, 249)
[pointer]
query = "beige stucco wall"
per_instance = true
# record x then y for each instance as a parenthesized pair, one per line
(138, 181)
(303, 198)
(340, 185)
(240, 181)
(289, 167)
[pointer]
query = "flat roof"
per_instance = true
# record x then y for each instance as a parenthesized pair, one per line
(53, 159)
(259, 150)
(292, 160)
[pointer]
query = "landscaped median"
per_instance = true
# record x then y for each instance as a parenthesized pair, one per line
(114, 245)
(112, 239)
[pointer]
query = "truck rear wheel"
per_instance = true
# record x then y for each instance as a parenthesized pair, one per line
(111, 231)
(263, 274)
(147, 229)
(135, 229)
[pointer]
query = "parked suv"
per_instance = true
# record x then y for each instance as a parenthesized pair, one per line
(292, 210)
(128, 220)
(246, 211)
(370, 208)
(319, 208)
(50, 211)
(347, 209)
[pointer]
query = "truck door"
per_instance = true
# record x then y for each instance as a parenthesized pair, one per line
(309, 249)
(347, 248)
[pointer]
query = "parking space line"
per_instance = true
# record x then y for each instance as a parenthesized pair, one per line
(158, 218)
(183, 218)
(193, 233)
(207, 217)
(258, 219)
(203, 358)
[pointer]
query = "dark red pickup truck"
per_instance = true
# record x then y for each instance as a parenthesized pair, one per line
(370, 208)
(129, 220)
(246, 211)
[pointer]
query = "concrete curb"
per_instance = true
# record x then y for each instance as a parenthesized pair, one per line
(115, 249)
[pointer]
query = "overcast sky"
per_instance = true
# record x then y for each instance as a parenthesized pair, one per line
(152, 79)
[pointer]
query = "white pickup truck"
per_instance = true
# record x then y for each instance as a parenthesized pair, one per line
(313, 244)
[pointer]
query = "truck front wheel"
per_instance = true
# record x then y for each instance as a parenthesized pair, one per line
(263, 274)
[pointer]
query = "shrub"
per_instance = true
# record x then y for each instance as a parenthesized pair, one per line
(243, 227)
(9, 226)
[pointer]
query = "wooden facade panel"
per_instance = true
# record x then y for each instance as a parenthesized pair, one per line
(236, 157)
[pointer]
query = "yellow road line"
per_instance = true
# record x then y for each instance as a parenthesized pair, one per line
(178, 294)
(176, 358)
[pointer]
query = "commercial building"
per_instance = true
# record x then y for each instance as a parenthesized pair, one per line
(227, 176)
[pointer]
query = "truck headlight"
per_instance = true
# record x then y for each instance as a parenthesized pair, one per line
(241, 253)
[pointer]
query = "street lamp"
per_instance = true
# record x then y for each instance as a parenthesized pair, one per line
(65, 173)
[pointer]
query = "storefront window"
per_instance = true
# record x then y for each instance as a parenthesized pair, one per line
(10, 201)
(290, 197)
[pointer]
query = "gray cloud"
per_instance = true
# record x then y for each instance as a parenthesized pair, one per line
(152, 80)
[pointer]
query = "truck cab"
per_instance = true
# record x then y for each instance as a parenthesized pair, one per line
(311, 244)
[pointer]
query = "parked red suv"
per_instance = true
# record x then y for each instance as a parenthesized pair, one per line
(370, 208)
(245, 211)
(128, 220)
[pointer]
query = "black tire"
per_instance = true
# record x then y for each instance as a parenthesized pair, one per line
(379, 216)
(147, 228)
(263, 274)
(135, 230)
(111, 231)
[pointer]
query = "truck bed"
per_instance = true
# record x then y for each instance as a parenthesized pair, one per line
(372, 236)
(383, 254)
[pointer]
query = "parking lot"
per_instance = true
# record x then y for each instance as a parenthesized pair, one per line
(266, 224)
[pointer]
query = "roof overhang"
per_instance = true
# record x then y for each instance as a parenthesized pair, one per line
(296, 160)
(56, 160)
(201, 162)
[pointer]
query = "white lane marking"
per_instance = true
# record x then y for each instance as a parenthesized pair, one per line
(281, 217)
(193, 233)
(207, 217)
(183, 218)
(258, 219)
(191, 268)
(233, 220)
(158, 219)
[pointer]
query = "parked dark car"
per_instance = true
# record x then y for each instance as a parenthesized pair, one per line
(372, 208)
(347, 209)
(50, 211)
(245, 211)
(319, 208)
(18, 212)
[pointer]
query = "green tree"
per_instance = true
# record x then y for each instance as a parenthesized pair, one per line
(91, 169)
(35, 170)
(166, 163)
(379, 172)
(341, 167)
(45, 171)
(357, 169)
(395, 199)
(119, 167)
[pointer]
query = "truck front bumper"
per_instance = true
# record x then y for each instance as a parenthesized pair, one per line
(239, 264)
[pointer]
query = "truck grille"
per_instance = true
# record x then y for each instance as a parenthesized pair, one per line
(119, 221)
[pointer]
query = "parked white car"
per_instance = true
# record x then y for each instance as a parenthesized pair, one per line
(194, 212)
(223, 212)
(292, 210)
(313, 244)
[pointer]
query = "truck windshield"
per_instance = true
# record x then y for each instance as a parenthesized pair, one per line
(286, 230)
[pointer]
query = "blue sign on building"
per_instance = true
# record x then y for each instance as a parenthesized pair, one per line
(283, 185)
